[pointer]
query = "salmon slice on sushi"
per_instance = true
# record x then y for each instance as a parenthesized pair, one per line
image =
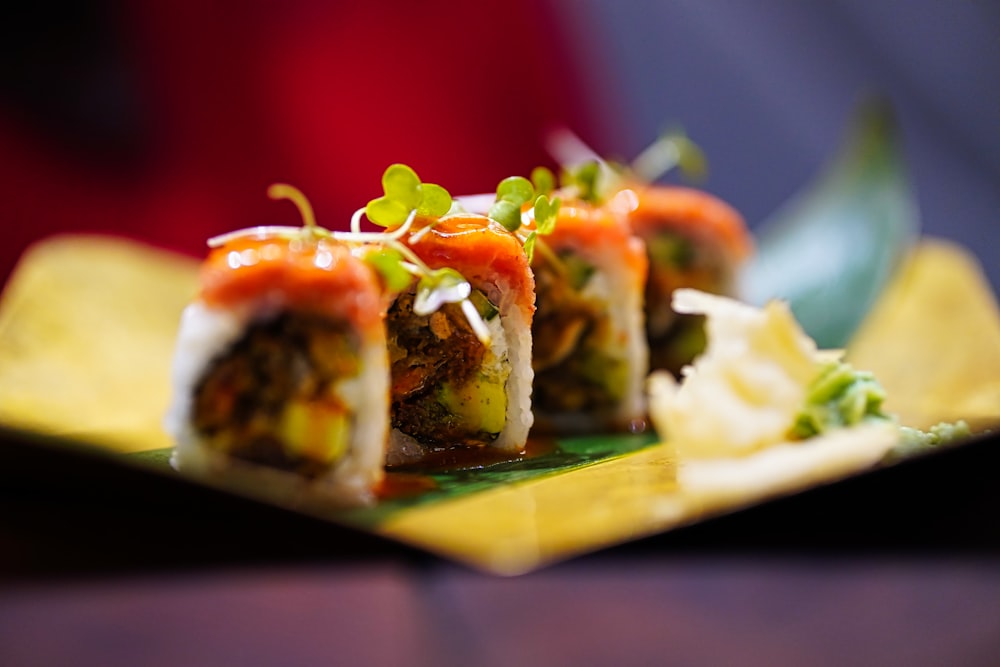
(281, 374)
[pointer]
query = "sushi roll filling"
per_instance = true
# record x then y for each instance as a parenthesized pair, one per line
(676, 262)
(278, 396)
(448, 389)
(572, 337)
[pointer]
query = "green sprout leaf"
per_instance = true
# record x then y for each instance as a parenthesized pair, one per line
(546, 212)
(435, 200)
(388, 262)
(543, 179)
(507, 214)
(690, 158)
(439, 287)
(671, 150)
(529, 245)
(512, 193)
(404, 195)
(584, 178)
(386, 212)
(401, 184)
(515, 189)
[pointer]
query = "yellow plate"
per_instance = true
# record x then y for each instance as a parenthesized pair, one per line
(87, 328)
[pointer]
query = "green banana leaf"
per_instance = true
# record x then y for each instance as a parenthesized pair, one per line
(830, 250)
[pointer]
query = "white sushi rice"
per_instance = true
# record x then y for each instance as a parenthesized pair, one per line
(515, 337)
(610, 286)
(207, 332)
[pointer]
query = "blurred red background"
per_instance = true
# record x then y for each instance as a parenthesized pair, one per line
(167, 121)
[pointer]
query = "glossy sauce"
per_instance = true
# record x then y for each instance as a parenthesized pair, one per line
(451, 459)
(407, 481)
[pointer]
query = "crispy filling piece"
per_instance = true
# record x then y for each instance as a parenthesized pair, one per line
(272, 398)
(571, 334)
(437, 366)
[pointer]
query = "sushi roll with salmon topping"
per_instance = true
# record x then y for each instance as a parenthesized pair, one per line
(590, 356)
(281, 374)
(693, 240)
(459, 334)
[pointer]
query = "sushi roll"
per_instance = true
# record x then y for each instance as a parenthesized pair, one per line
(461, 375)
(693, 240)
(281, 375)
(590, 357)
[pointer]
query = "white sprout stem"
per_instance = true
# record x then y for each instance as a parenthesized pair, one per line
(656, 159)
(420, 233)
(261, 230)
(568, 149)
(356, 220)
(476, 322)
(358, 235)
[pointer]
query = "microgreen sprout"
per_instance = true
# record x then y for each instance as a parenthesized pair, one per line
(543, 179)
(516, 191)
(396, 264)
(390, 264)
(584, 179)
(278, 191)
(512, 194)
(671, 149)
(405, 197)
(590, 177)
(546, 212)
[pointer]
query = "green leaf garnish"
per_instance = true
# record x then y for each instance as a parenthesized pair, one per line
(585, 179)
(691, 159)
(512, 193)
(515, 189)
(386, 212)
(507, 214)
(401, 184)
(405, 196)
(529, 245)
(543, 179)
(546, 212)
(672, 149)
(388, 262)
(435, 200)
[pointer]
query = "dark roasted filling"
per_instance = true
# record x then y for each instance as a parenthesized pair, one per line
(571, 334)
(270, 397)
(429, 353)
(675, 262)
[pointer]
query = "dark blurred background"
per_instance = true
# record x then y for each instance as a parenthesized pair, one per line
(166, 121)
